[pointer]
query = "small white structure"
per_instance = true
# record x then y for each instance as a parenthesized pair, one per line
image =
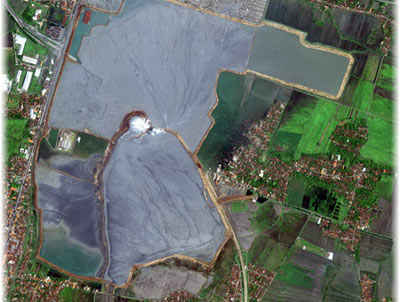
(261, 173)
(44, 90)
(38, 12)
(319, 220)
(37, 72)
(24, 152)
(330, 256)
(18, 77)
(29, 60)
(27, 81)
(7, 83)
(32, 114)
(20, 41)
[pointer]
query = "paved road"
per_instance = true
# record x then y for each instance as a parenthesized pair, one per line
(33, 32)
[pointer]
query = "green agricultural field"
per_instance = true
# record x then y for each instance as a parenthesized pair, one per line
(363, 96)
(89, 144)
(382, 107)
(296, 120)
(384, 188)
(295, 276)
(264, 218)
(296, 190)
(267, 253)
(52, 138)
(283, 228)
(313, 118)
(315, 139)
(371, 68)
(386, 77)
(300, 243)
(379, 146)
(239, 206)
(69, 294)
(347, 97)
(16, 135)
(285, 143)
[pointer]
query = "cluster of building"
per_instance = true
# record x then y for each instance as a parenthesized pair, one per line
(49, 17)
(29, 67)
(271, 180)
(259, 280)
(33, 287)
(274, 176)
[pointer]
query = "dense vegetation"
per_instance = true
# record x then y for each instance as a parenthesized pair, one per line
(16, 135)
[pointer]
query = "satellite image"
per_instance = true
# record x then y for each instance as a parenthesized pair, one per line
(199, 150)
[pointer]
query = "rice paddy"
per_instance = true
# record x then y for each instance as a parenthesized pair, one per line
(363, 96)
(295, 275)
(379, 146)
(314, 119)
(382, 108)
(386, 77)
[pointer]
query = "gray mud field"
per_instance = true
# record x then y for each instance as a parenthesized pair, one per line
(162, 59)
(159, 281)
(75, 166)
(69, 210)
(156, 205)
(279, 54)
(156, 57)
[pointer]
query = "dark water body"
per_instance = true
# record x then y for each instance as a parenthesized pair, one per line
(82, 30)
(71, 234)
(319, 200)
(280, 54)
(59, 249)
(242, 100)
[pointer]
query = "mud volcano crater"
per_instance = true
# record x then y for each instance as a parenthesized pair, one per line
(156, 204)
